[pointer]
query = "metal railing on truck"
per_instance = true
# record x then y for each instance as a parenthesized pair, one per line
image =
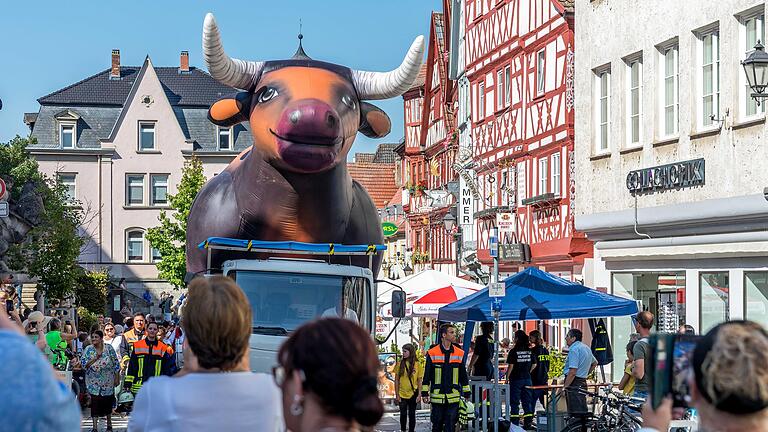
(293, 247)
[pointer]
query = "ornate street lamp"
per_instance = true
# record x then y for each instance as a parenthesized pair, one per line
(408, 270)
(756, 68)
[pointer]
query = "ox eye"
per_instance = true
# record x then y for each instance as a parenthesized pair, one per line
(267, 95)
(348, 101)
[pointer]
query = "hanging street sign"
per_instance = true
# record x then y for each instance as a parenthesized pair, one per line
(493, 246)
(389, 229)
(505, 222)
(497, 289)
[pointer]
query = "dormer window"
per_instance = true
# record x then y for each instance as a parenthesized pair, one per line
(67, 123)
(67, 135)
(225, 138)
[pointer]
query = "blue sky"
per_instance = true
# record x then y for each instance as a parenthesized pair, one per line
(49, 45)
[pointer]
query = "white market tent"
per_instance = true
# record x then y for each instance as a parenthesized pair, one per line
(420, 284)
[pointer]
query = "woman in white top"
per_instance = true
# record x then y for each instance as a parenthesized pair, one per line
(216, 391)
(111, 338)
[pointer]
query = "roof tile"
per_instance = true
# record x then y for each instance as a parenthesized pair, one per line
(377, 178)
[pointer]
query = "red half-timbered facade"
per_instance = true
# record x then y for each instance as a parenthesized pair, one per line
(519, 61)
(430, 151)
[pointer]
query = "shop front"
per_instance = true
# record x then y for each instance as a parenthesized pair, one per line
(699, 263)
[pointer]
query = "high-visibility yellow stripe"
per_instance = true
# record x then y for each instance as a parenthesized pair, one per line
(157, 367)
(455, 376)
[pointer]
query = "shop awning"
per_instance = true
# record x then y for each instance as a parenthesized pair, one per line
(533, 294)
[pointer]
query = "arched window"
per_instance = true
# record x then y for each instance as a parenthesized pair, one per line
(135, 246)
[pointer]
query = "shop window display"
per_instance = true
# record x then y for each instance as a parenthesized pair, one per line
(756, 297)
(714, 299)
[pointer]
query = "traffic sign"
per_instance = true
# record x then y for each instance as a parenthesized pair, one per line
(4, 209)
(494, 246)
(497, 289)
(2, 189)
(496, 305)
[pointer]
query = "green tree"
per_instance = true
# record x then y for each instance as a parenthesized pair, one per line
(170, 236)
(92, 289)
(50, 249)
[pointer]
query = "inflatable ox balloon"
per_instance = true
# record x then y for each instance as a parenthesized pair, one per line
(293, 183)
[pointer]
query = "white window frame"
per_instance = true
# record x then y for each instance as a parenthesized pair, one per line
(746, 102)
(481, 101)
(706, 121)
(152, 198)
(541, 62)
(62, 126)
(521, 179)
(128, 246)
(555, 173)
(671, 48)
(499, 89)
(152, 254)
(63, 178)
(225, 130)
(543, 175)
(142, 125)
(128, 189)
(600, 98)
(637, 89)
(507, 85)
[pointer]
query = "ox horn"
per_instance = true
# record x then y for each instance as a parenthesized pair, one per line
(384, 85)
(228, 71)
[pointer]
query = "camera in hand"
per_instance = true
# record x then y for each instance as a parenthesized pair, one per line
(672, 355)
(9, 306)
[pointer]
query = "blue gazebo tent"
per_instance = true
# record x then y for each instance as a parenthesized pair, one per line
(533, 294)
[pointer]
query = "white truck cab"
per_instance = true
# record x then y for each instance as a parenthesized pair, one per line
(284, 293)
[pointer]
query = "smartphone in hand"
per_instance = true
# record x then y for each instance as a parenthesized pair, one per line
(671, 367)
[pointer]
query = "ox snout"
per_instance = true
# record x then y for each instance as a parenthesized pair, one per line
(309, 136)
(311, 122)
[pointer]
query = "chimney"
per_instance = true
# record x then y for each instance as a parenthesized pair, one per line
(115, 72)
(184, 62)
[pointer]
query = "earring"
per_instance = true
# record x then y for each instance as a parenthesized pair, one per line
(297, 406)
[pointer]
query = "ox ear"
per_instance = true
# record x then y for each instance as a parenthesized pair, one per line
(230, 110)
(374, 123)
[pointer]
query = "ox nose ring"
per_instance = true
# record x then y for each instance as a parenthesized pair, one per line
(295, 116)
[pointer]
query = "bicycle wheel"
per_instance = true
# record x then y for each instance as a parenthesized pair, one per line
(577, 426)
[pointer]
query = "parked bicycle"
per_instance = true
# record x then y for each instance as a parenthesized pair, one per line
(617, 413)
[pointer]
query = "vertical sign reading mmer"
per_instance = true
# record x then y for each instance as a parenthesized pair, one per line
(466, 203)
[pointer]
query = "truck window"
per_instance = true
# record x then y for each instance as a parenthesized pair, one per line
(281, 302)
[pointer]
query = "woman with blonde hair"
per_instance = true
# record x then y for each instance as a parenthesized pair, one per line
(216, 390)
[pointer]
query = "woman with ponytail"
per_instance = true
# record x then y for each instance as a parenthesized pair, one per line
(327, 371)
(408, 376)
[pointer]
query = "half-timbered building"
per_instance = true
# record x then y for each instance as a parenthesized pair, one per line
(430, 150)
(519, 62)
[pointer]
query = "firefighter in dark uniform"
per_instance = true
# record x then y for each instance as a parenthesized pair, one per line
(445, 380)
(150, 358)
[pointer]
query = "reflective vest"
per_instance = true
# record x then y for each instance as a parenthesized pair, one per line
(147, 361)
(445, 377)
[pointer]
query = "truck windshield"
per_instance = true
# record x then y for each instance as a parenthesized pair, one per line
(281, 302)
